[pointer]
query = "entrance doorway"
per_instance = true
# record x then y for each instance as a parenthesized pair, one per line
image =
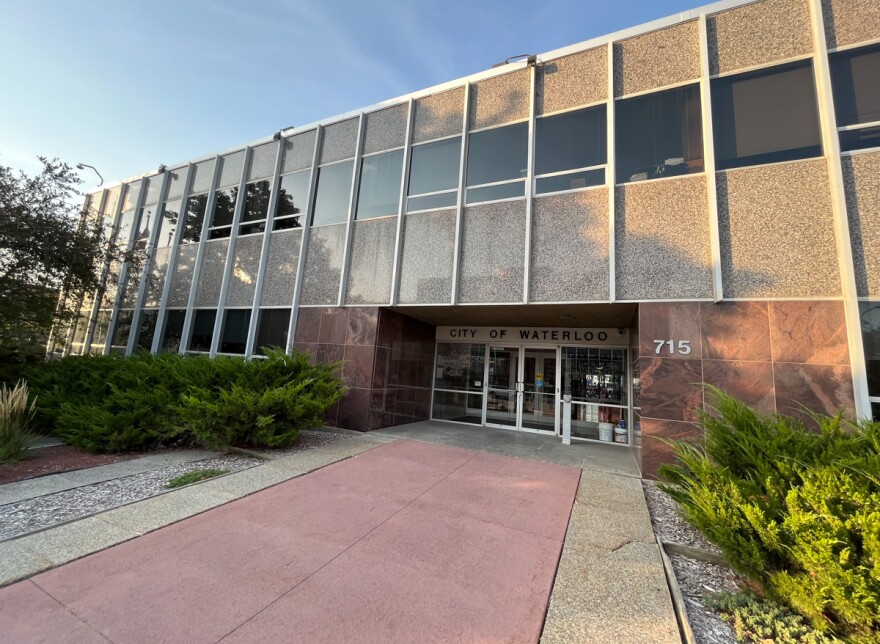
(521, 391)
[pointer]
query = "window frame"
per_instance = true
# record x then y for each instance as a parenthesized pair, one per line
(317, 185)
(857, 127)
(447, 191)
(468, 187)
(279, 223)
(365, 157)
(606, 105)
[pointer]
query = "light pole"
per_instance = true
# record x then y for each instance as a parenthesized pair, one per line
(82, 166)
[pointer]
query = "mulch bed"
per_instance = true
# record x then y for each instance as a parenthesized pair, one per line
(52, 460)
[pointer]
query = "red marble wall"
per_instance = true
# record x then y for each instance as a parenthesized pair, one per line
(775, 356)
(387, 363)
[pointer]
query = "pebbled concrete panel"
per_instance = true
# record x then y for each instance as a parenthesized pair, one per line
(323, 268)
(499, 100)
(438, 115)
(427, 256)
(572, 81)
(298, 151)
(656, 59)
(245, 264)
(281, 264)
(385, 129)
(492, 253)
(372, 259)
(861, 176)
(211, 273)
(340, 141)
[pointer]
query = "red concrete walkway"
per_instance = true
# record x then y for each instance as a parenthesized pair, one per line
(408, 542)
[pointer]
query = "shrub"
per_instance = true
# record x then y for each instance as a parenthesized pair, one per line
(194, 477)
(15, 418)
(756, 620)
(796, 511)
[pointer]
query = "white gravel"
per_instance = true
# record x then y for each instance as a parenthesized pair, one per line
(309, 439)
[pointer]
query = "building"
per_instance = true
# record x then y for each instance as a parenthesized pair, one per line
(693, 200)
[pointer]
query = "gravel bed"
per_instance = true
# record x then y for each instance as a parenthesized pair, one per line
(309, 439)
(44, 511)
(695, 578)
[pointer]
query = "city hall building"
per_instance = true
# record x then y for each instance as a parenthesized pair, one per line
(695, 200)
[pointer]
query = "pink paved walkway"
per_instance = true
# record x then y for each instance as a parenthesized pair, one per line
(408, 542)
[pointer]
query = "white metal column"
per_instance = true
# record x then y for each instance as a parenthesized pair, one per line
(611, 178)
(401, 213)
(462, 188)
(352, 208)
(530, 184)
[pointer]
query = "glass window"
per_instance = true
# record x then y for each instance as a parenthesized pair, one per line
(195, 215)
(146, 329)
(235, 331)
(571, 141)
(766, 116)
(570, 181)
(79, 333)
(379, 191)
(224, 208)
(332, 194)
(870, 314)
(659, 135)
(595, 375)
(432, 202)
(860, 139)
(500, 154)
(293, 198)
(170, 217)
(174, 319)
(272, 330)
(499, 191)
(146, 221)
(434, 167)
(855, 75)
(121, 331)
(202, 330)
(124, 228)
(460, 366)
(458, 406)
(256, 201)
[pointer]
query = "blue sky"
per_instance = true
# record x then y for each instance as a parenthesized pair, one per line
(126, 86)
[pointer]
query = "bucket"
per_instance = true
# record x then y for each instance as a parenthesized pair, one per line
(605, 431)
(620, 435)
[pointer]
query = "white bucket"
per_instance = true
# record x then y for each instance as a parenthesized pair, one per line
(605, 431)
(620, 435)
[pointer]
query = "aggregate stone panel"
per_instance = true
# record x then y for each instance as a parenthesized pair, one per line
(757, 34)
(861, 176)
(203, 174)
(156, 277)
(777, 233)
(340, 141)
(230, 169)
(281, 263)
(323, 268)
(385, 129)
(298, 152)
(427, 257)
(372, 260)
(662, 240)
(569, 254)
(572, 81)
(848, 22)
(438, 115)
(263, 161)
(492, 253)
(177, 180)
(499, 100)
(245, 264)
(211, 273)
(181, 278)
(657, 59)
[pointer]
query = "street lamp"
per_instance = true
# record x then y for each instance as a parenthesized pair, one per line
(82, 166)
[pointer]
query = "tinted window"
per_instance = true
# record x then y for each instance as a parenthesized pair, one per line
(870, 314)
(766, 117)
(272, 331)
(202, 330)
(293, 194)
(379, 192)
(855, 75)
(332, 194)
(146, 329)
(497, 155)
(224, 207)
(170, 217)
(434, 166)
(119, 339)
(493, 193)
(570, 181)
(195, 214)
(866, 137)
(173, 329)
(570, 141)
(256, 201)
(442, 200)
(235, 331)
(659, 135)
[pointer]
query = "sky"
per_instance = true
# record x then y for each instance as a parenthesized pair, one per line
(127, 86)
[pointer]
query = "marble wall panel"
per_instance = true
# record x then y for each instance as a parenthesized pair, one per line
(385, 129)
(492, 253)
(861, 175)
(572, 81)
(823, 388)
(671, 389)
(323, 267)
(245, 264)
(499, 100)
(156, 277)
(735, 331)
(662, 240)
(181, 278)
(211, 273)
(372, 261)
(654, 451)
(340, 141)
(281, 264)
(757, 34)
(776, 229)
(750, 382)
(298, 152)
(669, 321)
(427, 257)
(664, 57)
(438, 115)
(809, 332)
(569, 254)
(848, 22)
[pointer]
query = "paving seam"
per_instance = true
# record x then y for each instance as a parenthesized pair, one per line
(373, 529)
(69, 610)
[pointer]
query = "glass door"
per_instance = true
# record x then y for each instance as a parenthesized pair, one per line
(502, 387)
(521, 388)
(539, 390)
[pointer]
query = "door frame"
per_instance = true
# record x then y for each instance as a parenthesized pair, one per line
(519, 387)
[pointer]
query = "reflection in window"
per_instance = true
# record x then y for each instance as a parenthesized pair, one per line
(146, 329)
(659, 135)
(293, 197)
(332, 194)
(121, 331)
(124, 228)
(596, 380)
(202, 330)
(570, 181)
(173, 333)
(235, 331)
(379, 191)
(496, 192)
(460, 366)
(854, 76)
(870, 315)
(766, 116)
(146, 221)
(272, 330)
(256, 201)
(497, 155)
(195, 215)
(567, 142)
(224, 212)
(170, 217)
(434, 171)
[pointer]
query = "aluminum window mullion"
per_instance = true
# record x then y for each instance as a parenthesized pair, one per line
(219, 319)
(93, 315)
(610, 163)
(401, 210)
(304, 241)
(264, 250)
(352, 210)
(530, 184)
(200, 251)
(174, 249)
(462, 179)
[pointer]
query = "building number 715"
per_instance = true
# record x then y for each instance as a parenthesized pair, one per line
(684, 346)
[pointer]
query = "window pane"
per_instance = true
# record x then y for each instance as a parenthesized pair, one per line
(195, 216)
(870, 314)
(493, 193)
(146, 329)
(293, 194)
(170, 217)
(766, 116)
(146, 221)
(434, 166)
(121, 331)
(571, 140)
(220, 233)
(272, 331)
(379, 191)
(235, 331)
(332, 194)
(442, 200)
(202, 330)
(497, 155)
(124, 228)
(659, 135)
(571, 181)
(173, 329)
(252, 229)
(868, 137)
(224, 207)
(460, 366)
(594, 375)
(458, 406)
(287, 223)
(855, 75)
(256, 201)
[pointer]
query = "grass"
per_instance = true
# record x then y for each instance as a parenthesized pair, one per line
(194, 477)
(15, 418)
